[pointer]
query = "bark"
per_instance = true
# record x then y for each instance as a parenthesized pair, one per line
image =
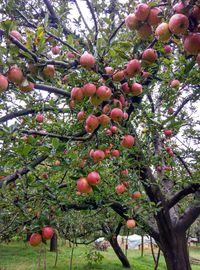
(175, 251)
(54, 243)
(118, 251)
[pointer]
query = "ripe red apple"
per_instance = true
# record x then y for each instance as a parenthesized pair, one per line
(98, 155)
(175, 83)
(168, 133)
(124, 173)
(89, 89)
(47, 233)
(178, 7)
(149, 56)
(133, 67)
(3, 83)
(115, 153)
(35, 239)
(130, 223)
(107, 152)
(125, 87)
(117, 103)
(146, 74)
(71, 104)
(125, 183)
(118, 75)
(15, 75)
(109, 70)
(2, 178)
(104, 93)
(154, 17)
(136, 89)
(39, 118)
(136, 195)
(131, 22)
(70, 55)
(92, 122)
(26, 86)
(120, 189)
(48, 71)
(142, 12)
(125, 116)
(116, 114)
(81, 116)
(77, 94)
(55, 50)
(162, 32)
(196, 12)
(178, 24)
(167, 49)
(170, 151)
(45, 175)
(16, 35)
(192, 43)
(170, 110)
(128, 141)
(167, 168)
(104, 120)
(145, 31)
(106, 109)
(83, 186)
(87, 60)
(93, 178)
(109, 132)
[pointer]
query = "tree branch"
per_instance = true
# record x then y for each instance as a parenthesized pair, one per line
(182, 194)
(11, 178)
(90, 6)
(52, 89)
(115, 32)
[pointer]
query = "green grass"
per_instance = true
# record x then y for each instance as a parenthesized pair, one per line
(20, 256)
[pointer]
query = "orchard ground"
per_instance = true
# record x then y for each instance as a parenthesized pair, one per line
(20, 256)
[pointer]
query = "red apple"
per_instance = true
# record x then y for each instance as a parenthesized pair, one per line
(47, 233)
(124, 173)
(174, 84)
(104, 120)
(92, 122)
(136, 89)
(154, 17)
(136, 195)
(109, 132)
(116, 114)
(35, 239)
(26, 86)
(149, 56)
(55, 50)
(39, 118)
(125, 116)
(87, 60)
(89, 89)
(130, 223)
(133, 67)
(3, 83)
(145, 31)
(146, 74)
(45, 175)
(168, 133)
(70, 55)
(120, 188)
(198, 59)
(83, 186)
(167, 49)
(93, 178)
(48, 71)
(142, 12)
(98, 155)
(192, 43)
(115, 153)
(15, 75)
(128, 141)
(125, 183)
(179, 7)
(125, 87)
(77, 94)
(81, 116)
(109, 70)
(169, 151)
(71, 104)
(106, 109)
(131, 22)
(162, 32)
(118, 75)
(104, 93)
(170, 110)
(178, 24)
(16, 35)
(167, 168)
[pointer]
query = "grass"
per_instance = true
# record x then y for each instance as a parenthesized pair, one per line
(20, 256)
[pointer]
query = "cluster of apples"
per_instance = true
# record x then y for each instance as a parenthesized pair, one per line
(145, 17)
(84, 184)
(36, 238)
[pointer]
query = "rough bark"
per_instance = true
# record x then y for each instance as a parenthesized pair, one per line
(54, 243)
(118, 251)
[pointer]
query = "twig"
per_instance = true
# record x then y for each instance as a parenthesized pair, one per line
(90, 6)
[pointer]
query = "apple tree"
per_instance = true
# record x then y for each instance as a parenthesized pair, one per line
(99, 108)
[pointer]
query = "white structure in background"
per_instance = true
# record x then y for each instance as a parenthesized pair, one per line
(135, 241)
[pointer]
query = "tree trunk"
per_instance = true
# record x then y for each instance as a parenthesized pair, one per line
(175, 252)
(118, 251)
(54, 243)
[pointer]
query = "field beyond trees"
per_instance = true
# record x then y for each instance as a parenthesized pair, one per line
(20, 256)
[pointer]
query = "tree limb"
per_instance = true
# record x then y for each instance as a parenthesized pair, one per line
(52, 89)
